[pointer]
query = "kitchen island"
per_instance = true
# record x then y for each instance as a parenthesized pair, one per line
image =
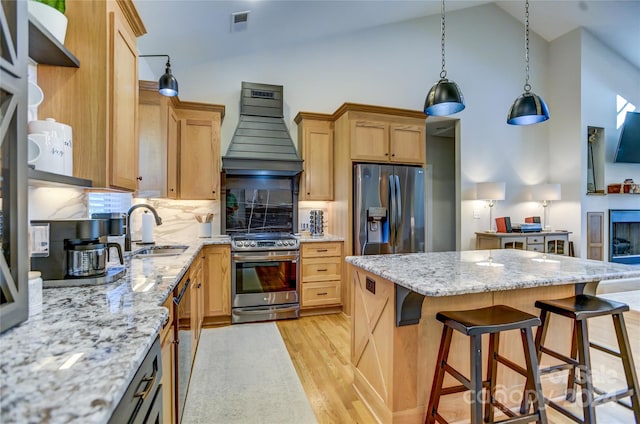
(395, 336)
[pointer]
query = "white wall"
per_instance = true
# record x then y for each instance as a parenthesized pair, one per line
(394, 65)
(604, 76)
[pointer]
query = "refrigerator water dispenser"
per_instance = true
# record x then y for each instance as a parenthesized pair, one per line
(376, 217)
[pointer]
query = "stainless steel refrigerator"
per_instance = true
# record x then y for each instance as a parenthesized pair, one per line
(388, 209)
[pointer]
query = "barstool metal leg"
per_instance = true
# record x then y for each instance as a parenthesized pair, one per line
(475, 369)
(627, 363)
(584, 359)
(436, 388)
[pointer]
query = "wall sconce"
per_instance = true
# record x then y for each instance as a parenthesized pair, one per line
(546, 193)
(444, 98)
(167, 84)
(491, 191)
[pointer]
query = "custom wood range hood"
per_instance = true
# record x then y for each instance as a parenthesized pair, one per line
(261, 144)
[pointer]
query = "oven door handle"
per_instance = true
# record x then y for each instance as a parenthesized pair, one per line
(258, 258)
(262, 311)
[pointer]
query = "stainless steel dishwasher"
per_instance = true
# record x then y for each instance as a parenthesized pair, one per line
(182, 303)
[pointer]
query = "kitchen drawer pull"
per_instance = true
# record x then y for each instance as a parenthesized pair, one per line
(322, 250)
(323, 270)
(322, 293)
(151, 380)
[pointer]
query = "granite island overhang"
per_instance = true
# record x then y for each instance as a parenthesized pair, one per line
(394, 333)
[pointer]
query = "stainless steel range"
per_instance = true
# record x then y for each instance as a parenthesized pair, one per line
(265, 277)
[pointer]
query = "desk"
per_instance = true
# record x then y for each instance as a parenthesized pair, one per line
(393, 364)
(548, 241)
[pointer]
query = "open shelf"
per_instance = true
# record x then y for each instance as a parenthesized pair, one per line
(47, 179)
(44, 48)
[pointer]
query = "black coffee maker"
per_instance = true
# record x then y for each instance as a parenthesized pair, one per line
(75, 248)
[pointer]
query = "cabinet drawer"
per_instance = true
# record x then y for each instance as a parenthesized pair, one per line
(321, 269)
(316, 250)
(535, 240)
(321, 294)
(535, 247)
(166, 326)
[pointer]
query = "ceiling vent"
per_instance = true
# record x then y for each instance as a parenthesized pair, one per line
(239, 21)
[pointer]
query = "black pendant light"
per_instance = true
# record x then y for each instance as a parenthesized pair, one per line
(444, 97)
(167, 84)
(529, 108)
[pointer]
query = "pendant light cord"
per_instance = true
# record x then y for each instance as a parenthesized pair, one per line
(527, 86)
(443, 73)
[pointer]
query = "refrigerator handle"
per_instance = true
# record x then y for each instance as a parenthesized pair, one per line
(392, 212)
(398, 205)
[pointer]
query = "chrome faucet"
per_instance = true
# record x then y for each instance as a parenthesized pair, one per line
(127, 234)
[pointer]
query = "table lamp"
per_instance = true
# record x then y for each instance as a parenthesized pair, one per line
(546, 193)
(490, 191)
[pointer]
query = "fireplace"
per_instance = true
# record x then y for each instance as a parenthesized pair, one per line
(624, 236)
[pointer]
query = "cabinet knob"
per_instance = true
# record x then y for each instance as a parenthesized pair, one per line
(170, 189)
(308, 194)
(139, 178)
(386, 154)
(393, 154)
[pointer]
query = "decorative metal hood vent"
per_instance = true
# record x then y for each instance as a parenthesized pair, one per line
(261, 144)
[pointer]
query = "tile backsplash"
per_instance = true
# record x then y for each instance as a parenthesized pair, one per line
(178, 216)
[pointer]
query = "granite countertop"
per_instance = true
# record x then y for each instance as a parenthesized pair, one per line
(107, 329)
(477, 271)
(315, 239)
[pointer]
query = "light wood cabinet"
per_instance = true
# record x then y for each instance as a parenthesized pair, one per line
(194, 151)
(167, 337)
(321, 274)
(216, 265)
(179, 146)
(315, 140)
(99, 100)
(196, 304)
(382, 141)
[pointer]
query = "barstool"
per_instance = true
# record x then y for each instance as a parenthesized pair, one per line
(580, 308)
(474, 323)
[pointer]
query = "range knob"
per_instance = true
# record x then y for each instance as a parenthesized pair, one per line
(279, 243)
(245, 244)
(253, 244)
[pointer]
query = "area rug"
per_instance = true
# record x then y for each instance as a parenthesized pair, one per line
(243, 374)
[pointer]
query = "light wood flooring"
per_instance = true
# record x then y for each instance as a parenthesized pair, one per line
(319, 347)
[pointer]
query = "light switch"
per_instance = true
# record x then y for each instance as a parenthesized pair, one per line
(476, 213)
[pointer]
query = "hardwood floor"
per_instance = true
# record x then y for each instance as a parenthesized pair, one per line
(319, 347)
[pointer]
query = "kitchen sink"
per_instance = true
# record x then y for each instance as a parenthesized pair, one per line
(155, 251)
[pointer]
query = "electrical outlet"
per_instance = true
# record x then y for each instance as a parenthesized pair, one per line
(476, 213)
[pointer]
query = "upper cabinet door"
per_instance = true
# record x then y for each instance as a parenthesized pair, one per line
(369, 140)
(407, 143)
(124, 105)
(199, 159)
(315, 141)
(173, 135)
